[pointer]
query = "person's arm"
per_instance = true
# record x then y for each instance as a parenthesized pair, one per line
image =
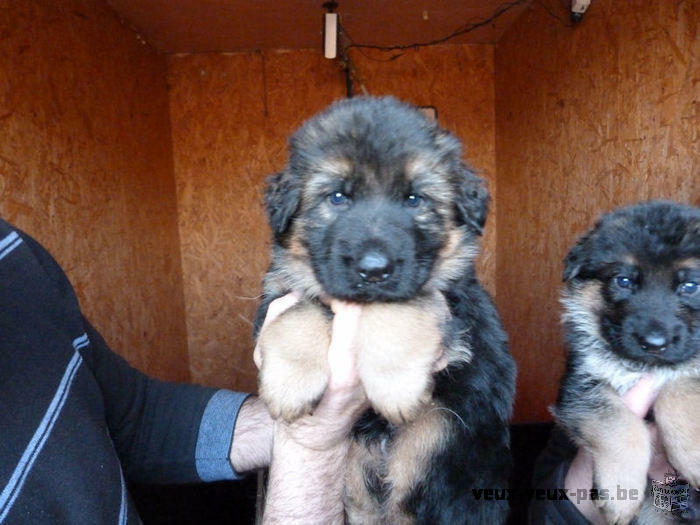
(163, 432)
(307, 471)
(251, 447)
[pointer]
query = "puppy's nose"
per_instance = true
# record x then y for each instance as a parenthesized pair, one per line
(654, 341)
(374, 267)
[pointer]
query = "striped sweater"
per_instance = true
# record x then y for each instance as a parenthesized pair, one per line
(76, 420)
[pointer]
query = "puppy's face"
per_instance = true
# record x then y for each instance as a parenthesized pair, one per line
(374, 200)
(638, 273)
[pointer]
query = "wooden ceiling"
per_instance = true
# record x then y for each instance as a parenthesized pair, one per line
(205, 26)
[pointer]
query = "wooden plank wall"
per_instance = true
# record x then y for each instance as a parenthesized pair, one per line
(231, 116)
(587, 118)
(579, 119)
(86, 168)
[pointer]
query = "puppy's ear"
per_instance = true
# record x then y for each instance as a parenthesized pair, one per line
(282, 198)
(575, 259)
(472, 200)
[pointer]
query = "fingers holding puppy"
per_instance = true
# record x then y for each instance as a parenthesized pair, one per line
(391, 351)
(292, 355)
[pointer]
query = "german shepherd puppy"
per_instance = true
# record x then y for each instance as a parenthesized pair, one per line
(376, 206)
(632, 307)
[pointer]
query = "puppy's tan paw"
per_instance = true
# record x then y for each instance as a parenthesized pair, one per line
(401, 398)
(294, 371)
(620, 444)
(286, 398)
(676, 413)
(618, 512)
(399, 344)
(620, 476)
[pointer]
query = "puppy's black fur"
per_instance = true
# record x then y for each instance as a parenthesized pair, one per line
(376, 205)
(631, 307)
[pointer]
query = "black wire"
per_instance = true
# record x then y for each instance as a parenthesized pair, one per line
(501, 10)
(551, 13)
(359, 48)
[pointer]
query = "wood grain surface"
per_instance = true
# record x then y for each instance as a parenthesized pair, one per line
(588, 118)
(86, 169)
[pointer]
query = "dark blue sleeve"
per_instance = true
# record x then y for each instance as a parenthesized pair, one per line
(163, 432)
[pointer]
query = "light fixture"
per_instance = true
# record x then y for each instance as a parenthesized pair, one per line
(330, 31)
(578, 9)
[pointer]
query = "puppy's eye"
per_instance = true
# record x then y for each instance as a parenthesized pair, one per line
(623, 281)
(413, 200)
(688, 288)
(338, 197)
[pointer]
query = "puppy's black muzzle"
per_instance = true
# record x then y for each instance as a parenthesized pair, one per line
(373, 254)
(374, 265)
(654, 329)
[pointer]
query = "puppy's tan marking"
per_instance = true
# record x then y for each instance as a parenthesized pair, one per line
(629, 259)
(453, 259)
(327, 175)
(430, 174)
(360, 506)
(296, 248)
(294, 270)
(294, 371)
(581, 308)
(412, 451)
(677, 413)
(591, 297)
(620, 444)
(399, 344)
(691, 263)
(401, 463)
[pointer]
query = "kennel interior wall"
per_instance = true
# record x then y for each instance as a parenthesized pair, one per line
(142, 172)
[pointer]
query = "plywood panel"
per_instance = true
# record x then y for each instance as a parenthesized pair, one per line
(85, 167)
(588, 118)
(231, 116)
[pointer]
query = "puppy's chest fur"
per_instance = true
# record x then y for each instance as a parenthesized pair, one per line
(622, 374)
(386, 464)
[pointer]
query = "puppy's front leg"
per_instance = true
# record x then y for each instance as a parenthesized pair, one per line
(399, 344)
(620, 444)
(294, 371)
(677, 413)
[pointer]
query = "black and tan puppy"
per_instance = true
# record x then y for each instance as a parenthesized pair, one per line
(632, 307)
(377, 207)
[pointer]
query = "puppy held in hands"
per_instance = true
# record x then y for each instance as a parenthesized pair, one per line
(399, 345)
(632, 308)
(377, 207)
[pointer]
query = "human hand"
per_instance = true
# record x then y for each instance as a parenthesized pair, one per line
(306, 482)
(344, 399)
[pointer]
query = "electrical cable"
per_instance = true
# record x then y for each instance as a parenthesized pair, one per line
(349, 67)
